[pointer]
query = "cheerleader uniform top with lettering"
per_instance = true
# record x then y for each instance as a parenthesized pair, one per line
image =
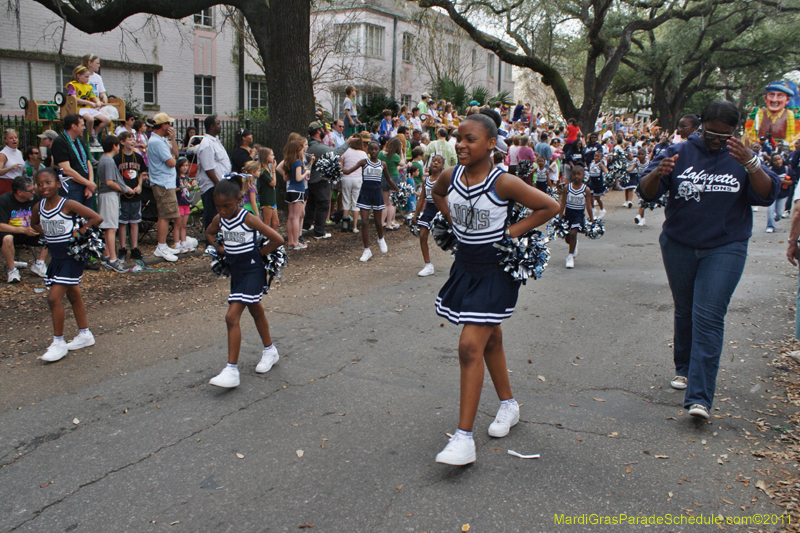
(430, 211)
(248, 277)
(371, 196)
(575, 206)
(478, 291)
(58, 228)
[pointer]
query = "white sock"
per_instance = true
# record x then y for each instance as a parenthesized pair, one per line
(232, 365)
(163, 246)
(511, 402)
(268, 347)
(59, 339)
(39, 262)
(84, 331)
(428, 264)
(463, 433)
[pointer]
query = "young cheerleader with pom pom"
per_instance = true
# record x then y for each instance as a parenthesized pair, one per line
(636, 170)
(575, 198)
(57, 219)
(597, 171)
(428, 209)
(248, 277)
(476, 200)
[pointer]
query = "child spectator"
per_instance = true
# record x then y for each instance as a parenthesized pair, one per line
(252, 171)
(140, 130)
(133, 169)
(386, 128)
(498, 159)
(296, 176)
(184, 196)
(265, 185)
(88, 103)
(111, 186)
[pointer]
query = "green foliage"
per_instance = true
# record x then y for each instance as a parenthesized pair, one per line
(480, 94)
(451, 91)
(371, 112)
(504, 97)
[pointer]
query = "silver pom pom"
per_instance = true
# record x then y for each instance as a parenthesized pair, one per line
(553, 193)
(594, 229)
(557, 228)
(658, 202)
(87, 245)
(414, 228)
(328, 167)
(524, 168)
(443, 233)
(525, 257)
(617, 171)
(218, 264)
(400, 197)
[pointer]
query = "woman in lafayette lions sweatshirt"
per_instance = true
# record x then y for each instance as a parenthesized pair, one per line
(712, 180)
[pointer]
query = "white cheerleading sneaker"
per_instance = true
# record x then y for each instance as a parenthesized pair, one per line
(268, 358)
(427, 271)
(55, 352)
(570, 261)
(382, 246)
(40, 269)
(507, 417)
(366, 255)
(459, 451)
(227, 379)
(81, 340)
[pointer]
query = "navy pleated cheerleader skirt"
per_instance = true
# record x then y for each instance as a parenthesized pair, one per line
(248, 277)
(63, 269)
(425, 219)
(478, 291)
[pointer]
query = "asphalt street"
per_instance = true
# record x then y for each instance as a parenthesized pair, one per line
(343, 432)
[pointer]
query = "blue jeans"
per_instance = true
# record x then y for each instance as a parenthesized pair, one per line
(76, 192)
(702, 282)
(774, 211)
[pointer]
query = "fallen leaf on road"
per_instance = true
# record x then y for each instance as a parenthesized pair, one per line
(669, 494)
(579, 439)
(541, 378)
(628, 470)
(307, 524)
(662, 456)
(76, 421)
(613, 435)
(399, 487)
(175, 522)
(46, 484)
(299, 454)
(496, 448)
(573, 405)
(726, 501)
(598, 399)
(763, 486)
(240, 456)
(465, 527)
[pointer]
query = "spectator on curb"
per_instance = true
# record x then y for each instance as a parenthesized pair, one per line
(543, 149)
(241, 154)
(89, 105)
(337, 133)
(92, 62)
(130, 120)
(72, 156)
(319, 188)
(350, 112)
(111, 186)
(16, 208)
(32, 161)
(133, 169)
(162, 150)
(45, 147)
(11, 160)
(443, 148)
(213, 164)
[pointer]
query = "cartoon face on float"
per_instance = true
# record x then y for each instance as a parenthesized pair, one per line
(776, 101)
(775, 121)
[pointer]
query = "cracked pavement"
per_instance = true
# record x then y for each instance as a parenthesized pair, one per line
(367, 387)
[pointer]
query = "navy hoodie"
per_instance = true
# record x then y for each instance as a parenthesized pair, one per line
(710, 197)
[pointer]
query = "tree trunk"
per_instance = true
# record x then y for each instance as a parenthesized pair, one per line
(281, 30)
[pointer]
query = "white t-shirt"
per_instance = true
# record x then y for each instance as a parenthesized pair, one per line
(607, 135)
(14, 157)
(97, 84)
(416, 123)
(348, 105)
(121, 129)
(512, 155)
(350, 158)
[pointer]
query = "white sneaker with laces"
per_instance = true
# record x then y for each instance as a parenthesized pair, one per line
(227, 379)
(570, 261)
(641, 221)
(177, 249)
(679, 382)
(601, 214)
(507, 417)
(382, 246)
(81, 340)
(699, 411)
(770, 230)
(459, 451)
(268, 358)
(165, 254)
(55, 352)
(13, 276)
(427, 271)
(366, 255)
(320, 237)
(637, 220)
(40, 269)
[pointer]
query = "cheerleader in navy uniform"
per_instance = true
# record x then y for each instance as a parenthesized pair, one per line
(429, 211)
(636, 171)
(597, 171)
(248, 277)
(57, 219)
(477, 199)
(575, 199)
(371, 196)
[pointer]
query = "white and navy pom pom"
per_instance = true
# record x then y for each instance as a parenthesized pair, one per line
(443, 233)
(658, 202)
(400, 197)
(328, 167)
(525, 257)
(557, 228)
(86, 245)
(524, 169)
(594, 229)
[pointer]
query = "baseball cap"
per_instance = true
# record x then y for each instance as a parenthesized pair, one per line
(426, 95)
(161, 118)
(48, 134)
(314, 126)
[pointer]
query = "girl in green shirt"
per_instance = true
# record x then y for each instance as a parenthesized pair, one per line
(391, 155)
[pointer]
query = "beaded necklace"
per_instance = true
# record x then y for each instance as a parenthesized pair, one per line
(79, 154)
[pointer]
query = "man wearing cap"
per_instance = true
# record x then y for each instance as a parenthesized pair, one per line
(47, 137)
(319, 188)
(162, 155)
(774, 120)
(423, 104)
(213, 164)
